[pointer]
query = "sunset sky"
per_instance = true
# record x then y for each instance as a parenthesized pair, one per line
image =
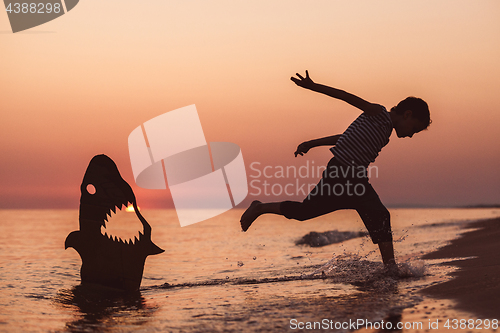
(78, 85)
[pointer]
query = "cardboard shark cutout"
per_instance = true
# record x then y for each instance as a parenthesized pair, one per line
(106, 261)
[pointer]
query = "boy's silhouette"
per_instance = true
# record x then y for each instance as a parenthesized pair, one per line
(344, 184)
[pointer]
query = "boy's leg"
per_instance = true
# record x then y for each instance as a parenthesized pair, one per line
(387, 252)
(321, 200)
(378, 224)
(377, 220)
(317, 203)
(255, 210)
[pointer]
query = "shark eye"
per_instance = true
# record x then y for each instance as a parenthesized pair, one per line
(91, 189)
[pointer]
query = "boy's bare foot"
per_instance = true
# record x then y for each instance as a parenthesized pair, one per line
(250, 215)
(392, 270)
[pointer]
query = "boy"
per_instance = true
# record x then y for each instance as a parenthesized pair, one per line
(344, 184)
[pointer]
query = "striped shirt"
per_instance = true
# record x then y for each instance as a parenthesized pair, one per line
(360, 144)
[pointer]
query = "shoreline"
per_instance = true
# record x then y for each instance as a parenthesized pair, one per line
(475, 286)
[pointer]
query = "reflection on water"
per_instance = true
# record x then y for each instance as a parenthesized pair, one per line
(102, 309)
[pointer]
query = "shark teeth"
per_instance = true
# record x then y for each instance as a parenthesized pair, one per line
(121, 241)
(116, 239)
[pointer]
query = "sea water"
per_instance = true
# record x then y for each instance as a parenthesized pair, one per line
(213, 277)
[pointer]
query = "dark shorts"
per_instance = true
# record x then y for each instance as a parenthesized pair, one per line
(344, 187)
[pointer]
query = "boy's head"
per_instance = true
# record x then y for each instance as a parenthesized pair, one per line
(412, 116)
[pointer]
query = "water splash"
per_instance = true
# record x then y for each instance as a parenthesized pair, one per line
(403, 236)
(357, 270)
(345, 269)
(416, 269)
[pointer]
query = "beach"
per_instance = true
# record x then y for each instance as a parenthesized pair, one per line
(215, 278)
(476, 285)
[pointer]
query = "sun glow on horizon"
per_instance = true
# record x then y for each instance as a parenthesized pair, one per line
(130, 208)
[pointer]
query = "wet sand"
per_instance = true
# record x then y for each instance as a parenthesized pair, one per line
(476, 284)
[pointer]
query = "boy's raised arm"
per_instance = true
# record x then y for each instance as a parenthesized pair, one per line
(365, 106)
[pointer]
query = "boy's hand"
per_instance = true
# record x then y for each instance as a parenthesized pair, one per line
(304, 82)
(302, 149)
